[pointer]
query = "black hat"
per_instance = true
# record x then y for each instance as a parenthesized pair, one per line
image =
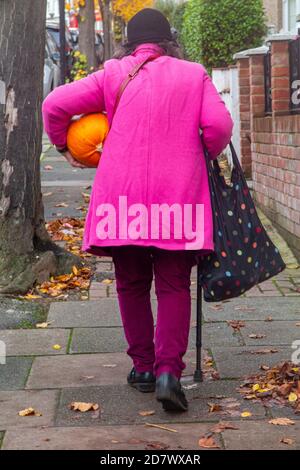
(148, 25)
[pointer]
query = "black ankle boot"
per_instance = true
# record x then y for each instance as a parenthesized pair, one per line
(142, 381)
(170, 393)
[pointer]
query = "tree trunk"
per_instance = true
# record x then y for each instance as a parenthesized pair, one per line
(87, 32)
(106, 18)
(27, 254)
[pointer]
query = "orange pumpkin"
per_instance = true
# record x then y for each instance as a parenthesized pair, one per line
(86, 137)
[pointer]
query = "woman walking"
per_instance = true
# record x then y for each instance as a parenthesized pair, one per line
(150, 207)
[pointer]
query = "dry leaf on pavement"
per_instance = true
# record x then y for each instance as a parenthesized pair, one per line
(29, 412)
(147, 413)
(282, 422)
(208, 443)
(222, 426)
(288, 441)
(84, 407)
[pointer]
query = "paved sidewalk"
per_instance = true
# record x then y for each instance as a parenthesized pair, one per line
(90, 364)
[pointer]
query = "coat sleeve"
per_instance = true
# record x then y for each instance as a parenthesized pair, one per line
(215, 120)
(80, 97)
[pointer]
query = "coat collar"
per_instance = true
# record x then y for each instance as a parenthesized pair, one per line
(147, 47)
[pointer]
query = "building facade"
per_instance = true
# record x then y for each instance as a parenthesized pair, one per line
(274, 13)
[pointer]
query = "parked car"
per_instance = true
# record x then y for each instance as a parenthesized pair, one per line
(51, 66)
(99, 44)
(53, 29)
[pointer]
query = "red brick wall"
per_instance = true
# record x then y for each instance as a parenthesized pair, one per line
(276, 173)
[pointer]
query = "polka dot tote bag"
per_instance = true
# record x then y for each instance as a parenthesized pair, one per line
(244, 254)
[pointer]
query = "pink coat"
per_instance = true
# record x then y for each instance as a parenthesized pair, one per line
(153, 158)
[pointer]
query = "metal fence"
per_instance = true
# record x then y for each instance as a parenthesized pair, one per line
(268, 83)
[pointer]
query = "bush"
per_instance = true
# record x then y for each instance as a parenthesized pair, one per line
(214, 30)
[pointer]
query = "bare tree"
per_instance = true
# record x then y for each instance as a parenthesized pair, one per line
(105, 7)
(27, 254)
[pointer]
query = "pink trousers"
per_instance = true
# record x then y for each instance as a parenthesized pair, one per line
(135, 267)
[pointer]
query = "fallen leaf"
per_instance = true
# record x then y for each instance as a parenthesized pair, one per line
(256, 336)
(208, 443)
(297, 324)
(269, 319)
(286, 440)
(83, 407)
(109, 365)
(147, 413)
(264, 351)
(86, 197)
(48, 167)
(160, 427)
(293, 397)
(42, 325)
(282, 422)
(214, 407)
(157, 445)
(107, 281)
(263, 367)
(61, 204)
(29, 412)
(236, 324)
(57, 347)
(47, 194)
(222, 426)
(75, 270)
(246, 414)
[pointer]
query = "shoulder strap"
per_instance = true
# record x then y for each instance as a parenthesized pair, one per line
(130, 77)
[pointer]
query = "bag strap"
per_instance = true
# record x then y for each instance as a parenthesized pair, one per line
(129, 78)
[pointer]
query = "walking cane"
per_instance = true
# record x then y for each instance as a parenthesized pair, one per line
(198, 376)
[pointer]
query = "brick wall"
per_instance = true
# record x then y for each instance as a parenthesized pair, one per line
(270, 144)
(276, 173)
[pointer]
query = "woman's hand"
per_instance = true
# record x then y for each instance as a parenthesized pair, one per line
(68, 156)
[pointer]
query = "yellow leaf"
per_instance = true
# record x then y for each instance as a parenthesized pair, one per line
(293, 397)
(57, 347)
(29, 412)
(255, 387)
(75, 270)
(107, 281)
(246, 414)
(42, 325)
(84, 407)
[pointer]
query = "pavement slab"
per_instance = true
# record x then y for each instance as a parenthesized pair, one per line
(14, 373)
(260, 308)
(34, 342)
(275, 333)
(87, 370)
(20, 314)
(245, 361)
(121, 404)
(262, 436)
(139, 437)
(43, 401)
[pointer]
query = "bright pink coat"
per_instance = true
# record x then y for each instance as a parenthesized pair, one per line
(153, 153)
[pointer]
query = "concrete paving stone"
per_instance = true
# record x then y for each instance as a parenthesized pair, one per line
(34, 342)
(84, 314)
(240, 361)
(80, 370)
(20, 314)
(104, 340)
(279, 308)
(43, 401)
(121, 404)
(110, 438)
(275, 332)
(14, 373)
(261, 436)
(101, 340)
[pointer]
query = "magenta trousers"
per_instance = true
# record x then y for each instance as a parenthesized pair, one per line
(135, 267)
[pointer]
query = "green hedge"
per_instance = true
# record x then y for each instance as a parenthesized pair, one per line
(214, 30)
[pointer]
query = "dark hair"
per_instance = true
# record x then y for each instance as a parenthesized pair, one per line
(170, 48)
